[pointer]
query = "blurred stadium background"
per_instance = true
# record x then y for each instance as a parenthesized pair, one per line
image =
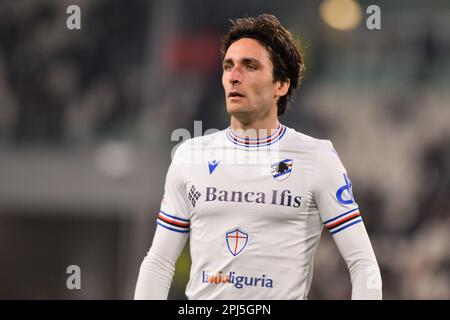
(86, 118)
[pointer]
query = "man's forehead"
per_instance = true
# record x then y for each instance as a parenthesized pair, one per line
(246, 48)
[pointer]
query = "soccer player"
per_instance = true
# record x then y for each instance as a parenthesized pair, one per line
(255, 197)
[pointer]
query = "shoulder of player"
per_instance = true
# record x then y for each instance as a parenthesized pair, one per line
(204, 140)
(316, 145)
(198, 144)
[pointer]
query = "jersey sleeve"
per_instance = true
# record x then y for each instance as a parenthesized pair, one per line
(340, 215)
(158, 267)
(333, 191)
(173, 225)
(174, 213)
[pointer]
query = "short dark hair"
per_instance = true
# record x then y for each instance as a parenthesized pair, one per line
(284, 52)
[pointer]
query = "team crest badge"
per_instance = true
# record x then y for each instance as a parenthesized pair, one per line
(281, 170)
(236, 241)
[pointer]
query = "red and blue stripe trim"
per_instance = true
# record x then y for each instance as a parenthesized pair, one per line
(343, 221)
(173, 223)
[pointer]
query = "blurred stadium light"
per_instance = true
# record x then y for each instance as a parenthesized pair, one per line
(341, 14)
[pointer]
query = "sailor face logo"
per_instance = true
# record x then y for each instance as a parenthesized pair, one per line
(281, 170)
(236, 241)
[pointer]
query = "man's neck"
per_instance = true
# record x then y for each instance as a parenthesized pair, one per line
(257, 129)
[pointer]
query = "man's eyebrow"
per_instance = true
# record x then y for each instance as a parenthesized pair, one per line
(228, 61)
(250, 60)
(243, 61)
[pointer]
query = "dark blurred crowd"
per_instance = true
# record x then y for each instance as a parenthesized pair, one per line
(62, 85)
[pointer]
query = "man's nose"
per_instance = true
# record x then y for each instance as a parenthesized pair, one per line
(235, 76)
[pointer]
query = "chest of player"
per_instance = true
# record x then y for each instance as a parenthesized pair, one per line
(277, 189)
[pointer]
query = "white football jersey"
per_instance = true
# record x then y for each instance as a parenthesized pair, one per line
(254, 210)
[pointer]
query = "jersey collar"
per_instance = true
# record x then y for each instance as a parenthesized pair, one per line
(255, 143)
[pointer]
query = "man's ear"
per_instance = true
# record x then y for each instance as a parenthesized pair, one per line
(283, 88)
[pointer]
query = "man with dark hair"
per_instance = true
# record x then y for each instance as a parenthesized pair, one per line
(255, 197)
(284, 54)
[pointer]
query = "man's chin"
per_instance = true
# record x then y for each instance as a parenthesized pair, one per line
(235, 109)
(244, 115)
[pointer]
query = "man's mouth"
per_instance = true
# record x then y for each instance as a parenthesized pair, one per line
(235, 94)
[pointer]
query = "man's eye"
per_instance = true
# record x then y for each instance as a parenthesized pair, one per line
(227, 67)
(251, 67)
